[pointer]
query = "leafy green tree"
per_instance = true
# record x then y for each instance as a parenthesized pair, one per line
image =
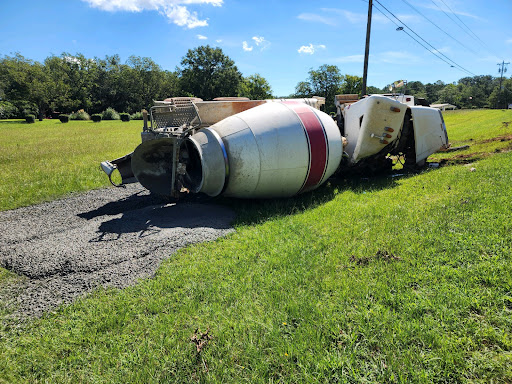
(107, 90)
(416, 88)
(476, 91)
(207, 73)
(40, 88)
(432, 91)
(371, 90)
(352, 84)
(171, 85)
(14, 77)
(255, 87)
(501, 98)
(450, 94)
(25, 84)
(61, 93)
(8, 110)
(73, 77)
(327, 82)
(303, 89)
(144, 80)
(80, 76)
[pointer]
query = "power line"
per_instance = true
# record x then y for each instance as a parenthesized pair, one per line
(457, 16)
(438, 27)
(426, 42)
(412, 37)
(470, 33)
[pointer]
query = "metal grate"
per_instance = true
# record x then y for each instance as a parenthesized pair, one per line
(178, 112)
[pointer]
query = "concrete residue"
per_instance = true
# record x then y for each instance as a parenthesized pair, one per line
(108, 237)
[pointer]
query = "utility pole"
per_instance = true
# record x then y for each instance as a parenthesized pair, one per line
(367, 48)
(502, 70)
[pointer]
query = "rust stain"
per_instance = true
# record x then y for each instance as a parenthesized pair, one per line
(240, 106)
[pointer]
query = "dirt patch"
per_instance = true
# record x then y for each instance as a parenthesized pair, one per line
(200, 339)
(110, 237)
(365, 260)
(499, 138)
(467, 158)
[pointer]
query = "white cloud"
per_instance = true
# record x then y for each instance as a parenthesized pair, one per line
(508, 41)
(246, 47)
(361, 18)
(441, 50)
(444, 8)
(261, 42)
(350, 59)
(489, 59)
(310, 49)
(181, 16)
(316, 18)
(201, 37)
(175, 10)
(352, 17)
(393, 57)
(71, 59)
(258, 40)
(218, 41)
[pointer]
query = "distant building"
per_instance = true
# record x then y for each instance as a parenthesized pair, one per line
(443, 107)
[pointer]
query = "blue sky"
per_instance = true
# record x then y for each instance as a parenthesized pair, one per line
(281, 40)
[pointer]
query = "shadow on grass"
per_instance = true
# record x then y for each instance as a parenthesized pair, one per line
(153, 220)
(138, 200)
(253, 211)
(7, 122)
(248, 211)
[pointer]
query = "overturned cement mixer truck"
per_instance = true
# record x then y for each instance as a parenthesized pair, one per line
(273, 148)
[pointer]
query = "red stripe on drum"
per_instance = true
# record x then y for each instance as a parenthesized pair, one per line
(317, 143)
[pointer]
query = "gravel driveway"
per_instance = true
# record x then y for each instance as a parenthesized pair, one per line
(107, 237)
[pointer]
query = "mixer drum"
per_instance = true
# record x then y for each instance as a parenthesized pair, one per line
(273, 150)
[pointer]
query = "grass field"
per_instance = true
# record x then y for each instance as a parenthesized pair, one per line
(486, 132)
(49, 159)
(364, 280)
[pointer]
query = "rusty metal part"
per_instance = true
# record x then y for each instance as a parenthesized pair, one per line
(154, 165)
(231, 98)
(175, 114)
(145, 119)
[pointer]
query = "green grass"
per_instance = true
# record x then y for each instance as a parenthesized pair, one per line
(485, 131)
(380, 280)
(6, 276)
(49, 159)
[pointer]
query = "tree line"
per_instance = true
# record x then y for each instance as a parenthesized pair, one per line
(469, 92)
(68, 83)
